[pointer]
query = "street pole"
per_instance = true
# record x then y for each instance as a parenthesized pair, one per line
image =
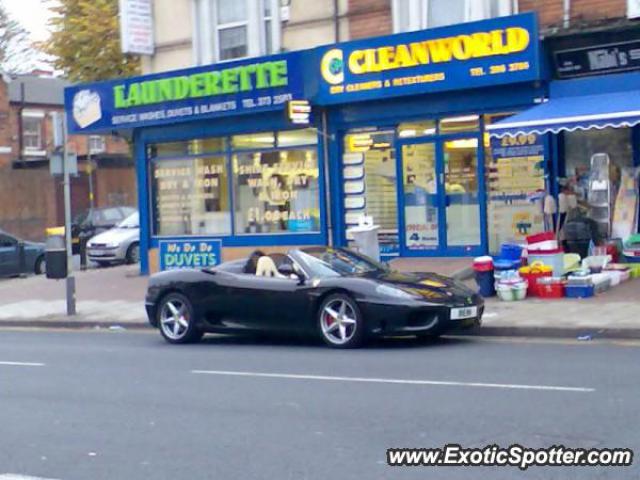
(90, 169)
(71, 281)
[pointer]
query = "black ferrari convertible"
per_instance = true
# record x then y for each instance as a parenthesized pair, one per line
(336, 293)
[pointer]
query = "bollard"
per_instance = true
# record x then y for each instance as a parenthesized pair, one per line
(83, 252)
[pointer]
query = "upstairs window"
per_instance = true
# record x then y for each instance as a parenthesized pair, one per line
(96, 144)
(32, 123)
(410, 15)
(233, 29)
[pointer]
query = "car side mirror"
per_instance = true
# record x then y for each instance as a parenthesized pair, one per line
(288, 271)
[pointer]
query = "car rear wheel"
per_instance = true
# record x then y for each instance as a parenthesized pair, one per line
(176, 319)
(40, 266)
(340, 322)
(133, 254)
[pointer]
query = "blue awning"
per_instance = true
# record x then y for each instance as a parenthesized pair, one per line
(576, 112)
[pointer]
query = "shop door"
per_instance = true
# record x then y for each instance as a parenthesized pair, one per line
(440, 202)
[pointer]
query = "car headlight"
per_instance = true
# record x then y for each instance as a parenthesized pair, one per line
(394, 292)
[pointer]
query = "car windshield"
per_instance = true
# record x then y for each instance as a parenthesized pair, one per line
(331, 262)
(132, 221)
(81, 218)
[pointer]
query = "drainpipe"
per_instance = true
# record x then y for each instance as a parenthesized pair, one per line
(327, 182)
(336, 20)
(20, 129)
(566, 13)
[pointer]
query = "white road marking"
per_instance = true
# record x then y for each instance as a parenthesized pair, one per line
(13, 476)
(396, 381)
(21, 364)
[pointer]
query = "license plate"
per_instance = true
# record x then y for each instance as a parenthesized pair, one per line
(96, 253)
(464, 312)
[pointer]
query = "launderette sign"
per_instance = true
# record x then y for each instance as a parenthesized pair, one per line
(469, 55)
(259, 84)
(176, 254)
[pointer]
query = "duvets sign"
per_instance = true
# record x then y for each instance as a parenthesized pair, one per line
(267, 83)
(176, 254)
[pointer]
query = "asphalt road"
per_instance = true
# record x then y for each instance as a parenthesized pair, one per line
(124, 405)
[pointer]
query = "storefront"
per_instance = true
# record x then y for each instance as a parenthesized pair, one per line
(398, 133)
(593, 124)
(409, 113)
(220, 168)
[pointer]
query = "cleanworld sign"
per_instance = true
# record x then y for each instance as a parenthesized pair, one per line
(259, 84)
(463, 56)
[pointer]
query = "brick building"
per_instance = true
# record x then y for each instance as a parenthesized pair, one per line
(30, 197)
(407, 97)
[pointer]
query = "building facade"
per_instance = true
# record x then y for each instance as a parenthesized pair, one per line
(30, 197)
(409, 110)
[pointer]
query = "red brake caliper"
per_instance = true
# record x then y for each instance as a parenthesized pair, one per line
(328, 319)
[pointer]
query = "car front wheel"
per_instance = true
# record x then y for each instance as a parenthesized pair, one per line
(340, 322)
(176, 319)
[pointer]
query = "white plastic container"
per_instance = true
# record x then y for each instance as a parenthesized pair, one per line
(512, 292)
(365, 236)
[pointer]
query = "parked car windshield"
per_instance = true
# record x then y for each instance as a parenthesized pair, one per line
(325, 262)
(81, 218)
(132, 221)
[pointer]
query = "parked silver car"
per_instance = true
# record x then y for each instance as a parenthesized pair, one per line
(117, 245)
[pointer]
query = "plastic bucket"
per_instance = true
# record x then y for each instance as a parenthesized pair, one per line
(485, 283)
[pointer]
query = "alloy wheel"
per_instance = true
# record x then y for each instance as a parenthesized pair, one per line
(338, 321)
(174, 319)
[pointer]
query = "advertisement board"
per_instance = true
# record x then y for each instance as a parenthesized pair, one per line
(136, 27)
(247, 86)
(193, 253)
(463, 56)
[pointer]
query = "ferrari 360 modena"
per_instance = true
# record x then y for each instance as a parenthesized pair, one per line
(337, 294)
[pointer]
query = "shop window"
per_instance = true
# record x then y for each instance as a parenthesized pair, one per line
(292, 138)
(514, 171)
(190, 196)
(254, 141)
(581, 145)
(410, 15)
(276, 192)
(191, 147)
(417, 129)
(206, 145)
(370, 183)
(464, 123)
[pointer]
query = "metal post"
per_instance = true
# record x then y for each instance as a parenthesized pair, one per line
(71, 281)
(22, 261)
(327, 183)
(90, 168)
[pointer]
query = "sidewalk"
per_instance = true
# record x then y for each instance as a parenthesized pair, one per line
(114, 297)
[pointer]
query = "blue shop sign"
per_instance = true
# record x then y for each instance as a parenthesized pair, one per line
(463, 56)
(196, 253)
(251, 85)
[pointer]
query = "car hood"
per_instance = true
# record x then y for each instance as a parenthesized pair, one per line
(116, 235)
(429, 286)
(34, 245)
